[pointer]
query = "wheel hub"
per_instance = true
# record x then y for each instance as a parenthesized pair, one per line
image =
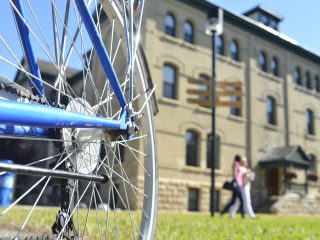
(83, 143)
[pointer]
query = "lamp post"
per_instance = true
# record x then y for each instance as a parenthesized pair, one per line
(214, 27)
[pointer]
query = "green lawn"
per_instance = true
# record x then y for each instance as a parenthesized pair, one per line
(191, 225)
(269, 227)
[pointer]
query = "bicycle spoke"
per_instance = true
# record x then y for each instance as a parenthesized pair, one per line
(74, 77)
(87, 216)
(33, 207)
(71, 214)
(32, 187)
(31, 31)
(39, 28)
(56, 37)
(125, 175)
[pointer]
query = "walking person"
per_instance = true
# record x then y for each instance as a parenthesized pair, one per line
(236, 192)
(247, 177)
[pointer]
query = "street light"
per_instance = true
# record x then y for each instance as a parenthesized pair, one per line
(214, 27)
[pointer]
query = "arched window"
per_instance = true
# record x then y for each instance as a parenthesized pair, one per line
(210, 154)
(271, 111)
(263, 62)
(310, 122)
(204, 77)
(169, 81)
(170, 25)
(274, 66)
(308, 82)
(192, 146)
(234, 50)
(297, 76)
(188, 32)
(317, 84)
(235, 111)
(220, 45)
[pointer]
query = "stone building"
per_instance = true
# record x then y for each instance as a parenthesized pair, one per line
(280, 110)
(277, 127)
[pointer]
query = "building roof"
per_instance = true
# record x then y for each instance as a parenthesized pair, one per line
(292, 156)
(261, 8)
(257, 28)
(47, 69)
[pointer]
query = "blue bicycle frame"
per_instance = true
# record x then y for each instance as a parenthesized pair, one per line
(33, 120)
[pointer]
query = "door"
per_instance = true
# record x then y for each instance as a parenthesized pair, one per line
(272, 181)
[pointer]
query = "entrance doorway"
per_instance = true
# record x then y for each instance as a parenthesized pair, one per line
(272, 181)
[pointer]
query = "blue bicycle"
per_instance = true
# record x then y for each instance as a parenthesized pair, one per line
(83, 102)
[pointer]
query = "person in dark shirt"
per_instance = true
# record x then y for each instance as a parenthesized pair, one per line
(236, 193)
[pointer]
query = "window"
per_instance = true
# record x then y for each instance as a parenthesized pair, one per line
(204, 77)
(317, 84)
(274, 66)
(188, 32)
(234, 49)
(220, 45)
(217, 152)
(271, 111)
(263, 62)
(297, 76)
(169, 81)
(193, 199)
(263, 19)
(192, 142)
(308, 82)
(273, 24)
(310, 122)
(313, 163)
(268, 21)
(235, 111)
(216, 201)
(170, 25)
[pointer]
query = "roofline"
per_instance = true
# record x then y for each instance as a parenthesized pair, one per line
(258, 28)
(265, 9)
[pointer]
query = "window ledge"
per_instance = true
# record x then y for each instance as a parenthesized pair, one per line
(271, 127)
(236, 118)
(193, 169)
(230, 61)
(203, 109)
(270, 76)
(303, 89)
(169, 101)
(311, 137)
(235, 63)
(217, 171)
(170, 39)
(222, 58)
(188, 45)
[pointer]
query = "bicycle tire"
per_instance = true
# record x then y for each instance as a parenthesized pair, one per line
(34, 237)
(142, 207)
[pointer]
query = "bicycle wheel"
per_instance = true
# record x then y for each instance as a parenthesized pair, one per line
(125, 207)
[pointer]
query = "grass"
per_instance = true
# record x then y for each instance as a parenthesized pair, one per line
(265, 227)
(197, 226)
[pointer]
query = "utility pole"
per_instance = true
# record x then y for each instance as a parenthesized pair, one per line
(215, 17)
(219, 93)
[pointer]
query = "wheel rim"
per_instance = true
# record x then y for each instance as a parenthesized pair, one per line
(129, 164)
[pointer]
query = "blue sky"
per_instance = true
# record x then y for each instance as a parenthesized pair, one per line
(42, 10)
(301, 22)
(301, 18)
